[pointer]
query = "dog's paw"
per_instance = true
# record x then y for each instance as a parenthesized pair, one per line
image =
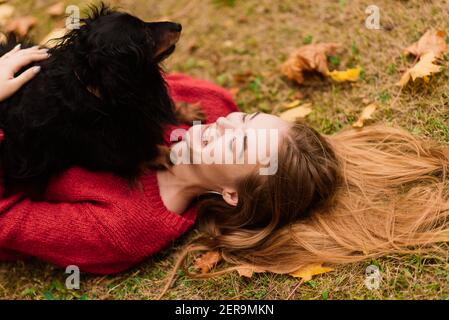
(189, 112)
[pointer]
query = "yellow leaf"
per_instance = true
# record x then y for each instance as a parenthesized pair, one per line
(293, 114)
(366, 114)
(423, 68)
(292, 104)
(52, 38)
(347, 75)
(307, 272)
(6, 12)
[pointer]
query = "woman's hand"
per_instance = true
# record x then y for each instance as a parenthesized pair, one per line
(12, 62)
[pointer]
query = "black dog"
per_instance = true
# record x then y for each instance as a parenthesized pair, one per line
(99, 102)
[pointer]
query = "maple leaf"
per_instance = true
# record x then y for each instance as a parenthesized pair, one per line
(431, 41)
(347, 75)
(307, 272)
(21, 25)
(207, 261)
(422, 69)
(296, 113)
(366, 114)
(312, 57)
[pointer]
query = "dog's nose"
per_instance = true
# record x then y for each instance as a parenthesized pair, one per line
(177, 27)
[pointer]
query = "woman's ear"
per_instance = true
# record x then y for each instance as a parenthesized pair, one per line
(230, 196)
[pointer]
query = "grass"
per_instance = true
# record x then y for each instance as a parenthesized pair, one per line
(240, 45)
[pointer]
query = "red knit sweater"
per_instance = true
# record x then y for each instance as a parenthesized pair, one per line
(94, 220)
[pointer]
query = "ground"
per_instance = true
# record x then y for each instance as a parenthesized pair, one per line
(241, 44)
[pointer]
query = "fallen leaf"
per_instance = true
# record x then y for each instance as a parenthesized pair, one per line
(6, 12)
(293, 104)
(293, 114)
(58, 9)
(347, 75)
(207, 261)
(242, 77)
(248, 271)
(422, 69)
(431, 41)
(366, 114)
(234, 91)
(51, 39)
(307, 272)
(312, 57)
(21, 25)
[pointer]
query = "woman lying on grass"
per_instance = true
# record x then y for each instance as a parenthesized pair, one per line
(338, 198)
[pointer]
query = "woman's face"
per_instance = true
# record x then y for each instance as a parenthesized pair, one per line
(233, 147)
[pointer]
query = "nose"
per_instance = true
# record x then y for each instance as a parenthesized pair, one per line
(176, 27)
(225, 123)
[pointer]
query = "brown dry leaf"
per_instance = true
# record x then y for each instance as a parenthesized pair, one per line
(242, 77)
(207, 261)
(248, 271)
(307, 272)
(21, 25)
(56, 10)
(311, 57)
(423, 69)
(431, 41)
(296, 113)
(50, 40)
(6, 12)
(366, 114)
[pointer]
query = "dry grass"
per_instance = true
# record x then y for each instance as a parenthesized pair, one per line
(240, 44)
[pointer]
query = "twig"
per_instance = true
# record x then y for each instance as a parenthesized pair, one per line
(296, 288)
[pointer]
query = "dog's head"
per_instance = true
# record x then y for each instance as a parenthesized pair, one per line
(117, 55)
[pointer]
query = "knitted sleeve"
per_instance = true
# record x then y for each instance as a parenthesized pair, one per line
(92, 220)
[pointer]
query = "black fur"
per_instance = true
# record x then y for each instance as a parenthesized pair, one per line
(99, 102)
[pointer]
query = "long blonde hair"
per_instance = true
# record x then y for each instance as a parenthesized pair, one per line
(391, 196)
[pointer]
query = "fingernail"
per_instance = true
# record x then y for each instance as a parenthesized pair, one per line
(37, 69)
(18, 46)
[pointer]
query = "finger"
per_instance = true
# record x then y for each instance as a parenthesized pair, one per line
(25, 60)
(26, 76)
(31, 50)
(11, 52)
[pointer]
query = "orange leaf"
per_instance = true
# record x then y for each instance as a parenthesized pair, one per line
(312, 57)
(431, 41)
(207, 261)
(21, 25)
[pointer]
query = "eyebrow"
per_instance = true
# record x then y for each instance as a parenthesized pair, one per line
(252, 116)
